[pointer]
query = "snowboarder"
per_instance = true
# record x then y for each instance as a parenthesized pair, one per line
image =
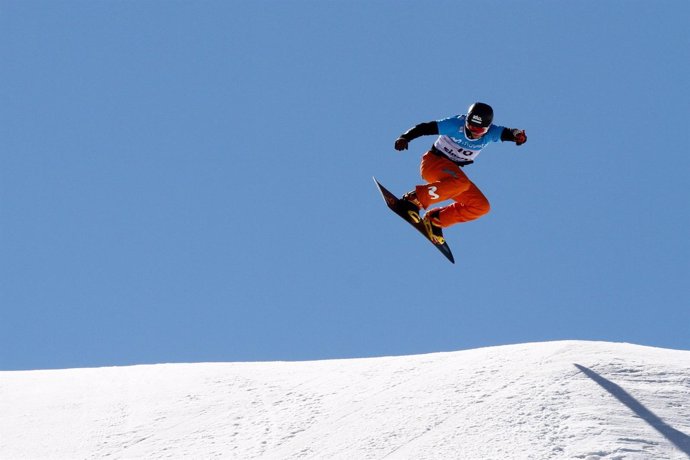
(460, 140)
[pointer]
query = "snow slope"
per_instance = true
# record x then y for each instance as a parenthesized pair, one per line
(556, 400)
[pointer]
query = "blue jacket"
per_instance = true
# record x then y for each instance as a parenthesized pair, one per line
(453, 142)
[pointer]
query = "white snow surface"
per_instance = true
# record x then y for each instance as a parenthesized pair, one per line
(553, 400)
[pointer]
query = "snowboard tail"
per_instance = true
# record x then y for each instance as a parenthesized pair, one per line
(410, 216)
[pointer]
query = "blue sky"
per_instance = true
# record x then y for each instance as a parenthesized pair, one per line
(191, 181)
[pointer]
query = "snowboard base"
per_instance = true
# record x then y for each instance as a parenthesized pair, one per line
(394, 203)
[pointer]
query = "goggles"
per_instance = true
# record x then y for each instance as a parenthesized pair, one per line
(477, 130)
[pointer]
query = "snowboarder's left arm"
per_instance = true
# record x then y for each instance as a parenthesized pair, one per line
(514, 135)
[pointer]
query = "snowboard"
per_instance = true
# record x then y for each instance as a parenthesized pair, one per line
(394, 203)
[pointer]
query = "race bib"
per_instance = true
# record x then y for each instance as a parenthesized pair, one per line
(455, 151)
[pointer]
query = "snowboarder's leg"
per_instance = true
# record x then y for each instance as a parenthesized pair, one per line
(469, 205)
(445, 180)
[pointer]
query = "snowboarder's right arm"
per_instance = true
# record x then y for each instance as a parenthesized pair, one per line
(422, 129)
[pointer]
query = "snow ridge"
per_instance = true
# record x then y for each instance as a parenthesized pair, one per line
(554, 400)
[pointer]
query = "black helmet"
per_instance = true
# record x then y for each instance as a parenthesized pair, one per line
(480, 115)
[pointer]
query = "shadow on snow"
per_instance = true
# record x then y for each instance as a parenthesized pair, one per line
(677, 438)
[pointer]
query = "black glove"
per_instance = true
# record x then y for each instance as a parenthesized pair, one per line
(520, 136)
(401, 143)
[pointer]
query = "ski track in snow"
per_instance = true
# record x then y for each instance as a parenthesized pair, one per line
(554, 400)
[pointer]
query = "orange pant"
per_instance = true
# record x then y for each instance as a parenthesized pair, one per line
(446, 180)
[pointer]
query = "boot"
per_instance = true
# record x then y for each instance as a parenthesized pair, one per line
(412, 198)
(433, 226)
(412, 204)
